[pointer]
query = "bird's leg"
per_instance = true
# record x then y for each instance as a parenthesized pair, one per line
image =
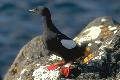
(65, 70)
(56, 65)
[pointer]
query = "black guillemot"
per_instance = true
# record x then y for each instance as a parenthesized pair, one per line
(58, 42)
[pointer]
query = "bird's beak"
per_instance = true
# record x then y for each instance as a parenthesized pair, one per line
(31, 10)
(37, 10)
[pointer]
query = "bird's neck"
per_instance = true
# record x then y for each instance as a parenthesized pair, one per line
(48, 25)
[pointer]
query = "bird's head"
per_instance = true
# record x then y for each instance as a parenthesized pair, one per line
(44, 11)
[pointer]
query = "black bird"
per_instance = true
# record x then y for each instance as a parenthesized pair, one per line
(58, 42)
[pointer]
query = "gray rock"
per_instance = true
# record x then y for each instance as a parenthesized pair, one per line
(102, 36)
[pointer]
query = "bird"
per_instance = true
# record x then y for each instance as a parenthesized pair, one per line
(58, 42)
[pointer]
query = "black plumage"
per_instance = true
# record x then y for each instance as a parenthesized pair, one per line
(56, 41)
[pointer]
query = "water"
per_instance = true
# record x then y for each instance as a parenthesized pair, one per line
(18, 26)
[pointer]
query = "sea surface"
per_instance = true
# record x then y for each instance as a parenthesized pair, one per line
(18, 26)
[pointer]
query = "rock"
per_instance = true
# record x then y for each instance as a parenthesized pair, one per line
(28, 59)
(102, 36)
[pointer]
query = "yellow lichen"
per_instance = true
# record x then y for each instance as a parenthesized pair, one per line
(88, 58)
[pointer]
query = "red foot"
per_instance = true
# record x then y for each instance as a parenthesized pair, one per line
(65, 71)
(55, 66)
(52, 67)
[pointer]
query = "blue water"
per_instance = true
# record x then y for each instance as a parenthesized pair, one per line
(18, 26)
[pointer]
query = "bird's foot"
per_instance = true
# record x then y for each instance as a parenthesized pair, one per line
(66, 70)
(52, 67)
(55, 66)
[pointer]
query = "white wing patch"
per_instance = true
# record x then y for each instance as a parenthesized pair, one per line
(69, 44)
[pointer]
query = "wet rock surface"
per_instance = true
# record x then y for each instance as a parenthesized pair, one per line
(103, 38)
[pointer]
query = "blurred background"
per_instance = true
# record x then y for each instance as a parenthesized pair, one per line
(18, 26)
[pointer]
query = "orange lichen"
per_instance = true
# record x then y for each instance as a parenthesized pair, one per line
(88, 58)
(15, 69)
(105, 32)
(88, 55)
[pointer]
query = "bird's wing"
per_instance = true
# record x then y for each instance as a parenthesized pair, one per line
(69, 44)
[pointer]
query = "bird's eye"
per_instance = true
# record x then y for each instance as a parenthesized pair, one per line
(36, 9)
